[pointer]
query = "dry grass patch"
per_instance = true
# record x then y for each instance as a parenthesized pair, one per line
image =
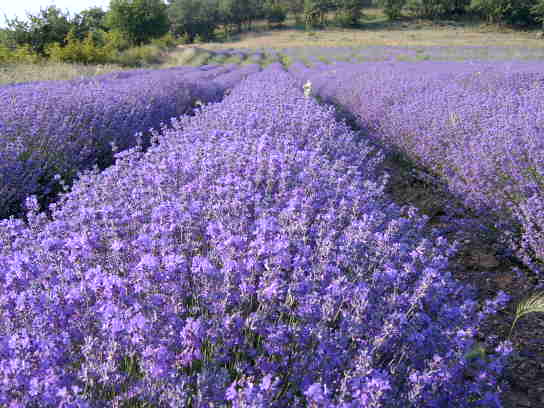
(15, 73)
(452, 36)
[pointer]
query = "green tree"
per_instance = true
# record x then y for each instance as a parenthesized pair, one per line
(234, 13)
(349, 12)
(274, 13)
(514, 12)
(437, 8)
(190, 18)
(296, 8)
(424, 8)
(257, 11)
(459, 6)
(228, 16)
(521, 13)
(140, 20)
(537, 11)
(491, 10)
(91, 20)
(392, 8)
(4, 36)
(315, 12)
(50, 25)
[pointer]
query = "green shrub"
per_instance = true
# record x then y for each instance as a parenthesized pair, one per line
(85, 51)
(114, 49)
(435, 8)
(165, 42)
(185, 39)
(117, 40)
(138, 56)
(21, 54)
(5, 54)
(285, 60)
(349, 12)
(347, 18)
(538, 12)
(512, 12)
(201, 58)
(392, 8)
(275, 14)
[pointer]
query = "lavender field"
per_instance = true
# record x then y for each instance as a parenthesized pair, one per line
(53, 129)
(476, 126)
(217, 236)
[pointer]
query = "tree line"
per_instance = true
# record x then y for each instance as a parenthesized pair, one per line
(136, 22)
(520, 13)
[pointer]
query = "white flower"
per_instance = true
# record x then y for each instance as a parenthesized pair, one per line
(307, 89)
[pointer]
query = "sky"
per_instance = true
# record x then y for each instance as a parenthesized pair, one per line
(18, 8)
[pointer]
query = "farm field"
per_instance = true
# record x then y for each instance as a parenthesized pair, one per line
(345, 226)
(51, 130)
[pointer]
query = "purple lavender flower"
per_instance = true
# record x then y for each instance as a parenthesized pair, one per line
(474, 125)
(52, 130)
(249, 257)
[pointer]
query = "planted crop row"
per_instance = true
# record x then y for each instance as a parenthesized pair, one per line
(62, 127)
(249, 257)
(480, 127)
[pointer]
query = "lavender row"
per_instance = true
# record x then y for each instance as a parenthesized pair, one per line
(248, 257)
(110, 75)
(62, 127)
(392, 53)
(478, 126)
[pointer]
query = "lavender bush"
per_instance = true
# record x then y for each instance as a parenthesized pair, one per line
(476, 125)
(62, 127)
(248, 258)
